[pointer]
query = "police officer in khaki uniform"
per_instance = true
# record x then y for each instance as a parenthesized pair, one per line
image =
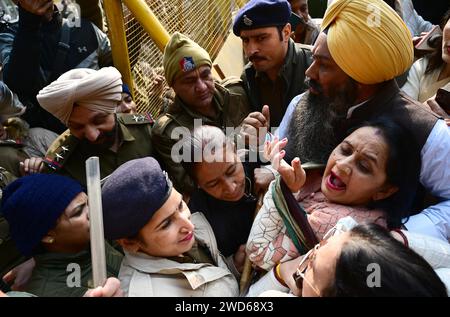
(11, 150)
(11, 154)
(187, 69)
(86, 100)
(9, 255)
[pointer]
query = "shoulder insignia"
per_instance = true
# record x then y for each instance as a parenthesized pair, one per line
(5, 178)
(161, 123)
(60, 151)
(133, 119)
(231, 81)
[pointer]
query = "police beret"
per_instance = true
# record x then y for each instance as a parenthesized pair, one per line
(131, 195)
(262, 13)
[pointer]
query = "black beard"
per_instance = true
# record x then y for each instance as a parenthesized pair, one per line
(108, 140)
(313, 131)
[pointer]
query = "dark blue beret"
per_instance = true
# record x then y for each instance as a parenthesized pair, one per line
(262, 13)
(126, 89)
(32, 205)
(131, 195)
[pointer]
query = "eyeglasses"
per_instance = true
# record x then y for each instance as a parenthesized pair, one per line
(299, 275)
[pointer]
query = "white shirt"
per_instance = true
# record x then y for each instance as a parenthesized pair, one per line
(282, 130)
(434, 176)
(421, 86)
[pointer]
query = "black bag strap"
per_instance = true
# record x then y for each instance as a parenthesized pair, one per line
(63, 50)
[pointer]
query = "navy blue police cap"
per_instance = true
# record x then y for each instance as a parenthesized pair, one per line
(262, 13)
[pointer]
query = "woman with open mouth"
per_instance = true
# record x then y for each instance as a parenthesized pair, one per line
(372, 176)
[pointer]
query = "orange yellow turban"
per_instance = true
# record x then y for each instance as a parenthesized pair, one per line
(368, 40)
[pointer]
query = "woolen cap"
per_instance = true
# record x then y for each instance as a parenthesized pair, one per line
(131, 195)
(182, 55)
(32, 205)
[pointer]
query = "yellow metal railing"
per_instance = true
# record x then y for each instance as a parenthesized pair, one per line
(114, 15)
(139, 31)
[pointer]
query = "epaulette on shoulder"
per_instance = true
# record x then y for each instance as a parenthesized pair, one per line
(162, 123)
(137, 118)
(5, 178)
(231, 81)
(60, 151)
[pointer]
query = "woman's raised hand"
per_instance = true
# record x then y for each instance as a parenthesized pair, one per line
(293, 175)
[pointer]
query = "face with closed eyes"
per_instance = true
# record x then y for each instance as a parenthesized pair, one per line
(224, 178)
(356, 170)
(93, 126)
(71, 233)
(126, 104)
(196, 88)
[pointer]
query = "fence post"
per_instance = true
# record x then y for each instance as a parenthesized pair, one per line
(119, 46)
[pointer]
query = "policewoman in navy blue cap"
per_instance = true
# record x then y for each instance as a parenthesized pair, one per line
(168, 251)
(276, 70)
(48, 219)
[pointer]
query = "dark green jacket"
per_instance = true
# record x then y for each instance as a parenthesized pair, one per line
(11, 154)
(232, 105)
(51, 272)
(297, 61)
(67, 154)
(9, 255)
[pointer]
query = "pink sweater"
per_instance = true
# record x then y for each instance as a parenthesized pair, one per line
(268, 243)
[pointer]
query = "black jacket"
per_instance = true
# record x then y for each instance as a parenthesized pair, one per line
(29, 52)
(298, 59)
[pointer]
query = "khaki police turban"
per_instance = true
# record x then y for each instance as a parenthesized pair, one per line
(182, 55)
(368, 40)
(97, 90)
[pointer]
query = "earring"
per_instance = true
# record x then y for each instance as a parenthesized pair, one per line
(49, 240)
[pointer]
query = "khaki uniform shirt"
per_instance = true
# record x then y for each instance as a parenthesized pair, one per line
(9, 255)
(232, 105)
(67, 155)
(11, 154)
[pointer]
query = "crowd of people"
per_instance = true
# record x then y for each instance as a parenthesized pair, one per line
(314, 169)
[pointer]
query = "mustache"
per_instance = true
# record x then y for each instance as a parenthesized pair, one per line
(106, 136)
(314, 85)
(256, 57)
